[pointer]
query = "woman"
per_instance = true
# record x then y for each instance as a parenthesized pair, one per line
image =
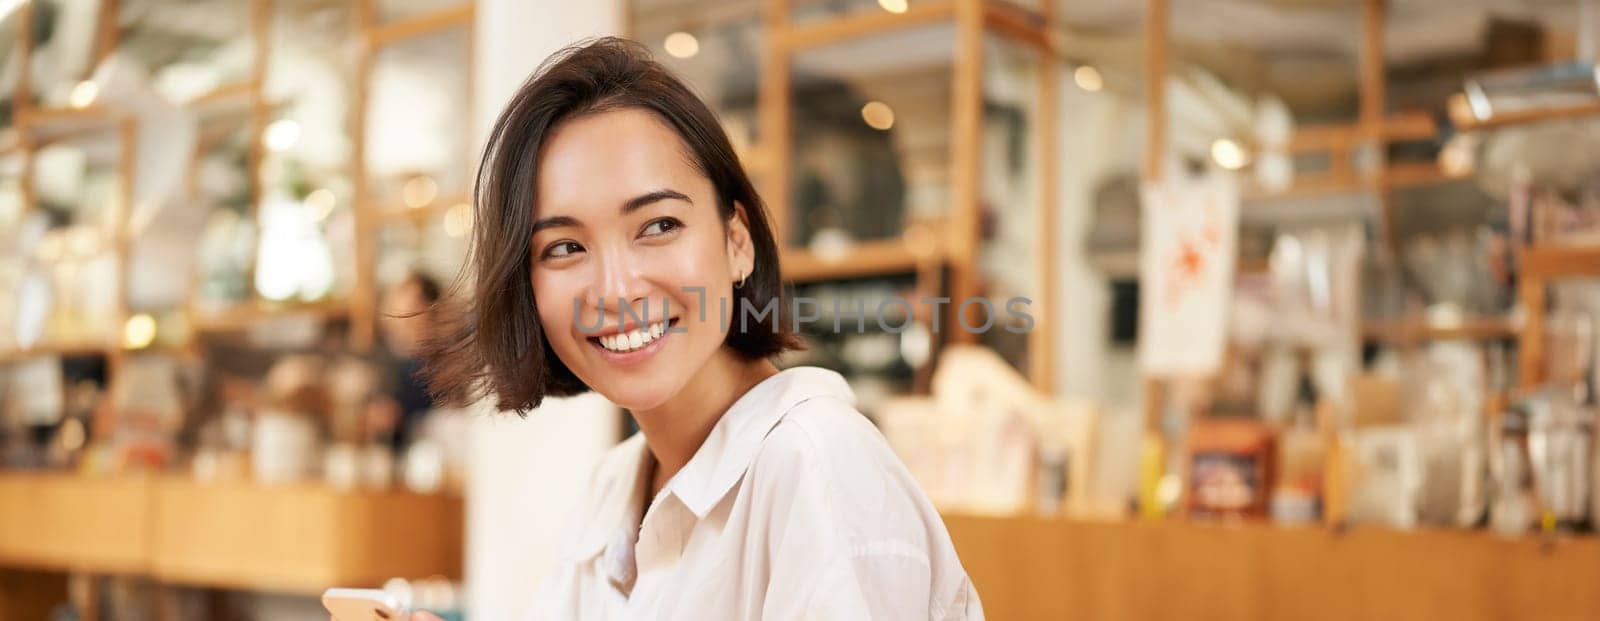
(749, 492)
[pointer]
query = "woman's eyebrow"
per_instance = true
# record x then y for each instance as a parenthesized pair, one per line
(553, 222)
(641, 200)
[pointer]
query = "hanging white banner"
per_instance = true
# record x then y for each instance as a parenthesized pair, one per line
(1187, 252)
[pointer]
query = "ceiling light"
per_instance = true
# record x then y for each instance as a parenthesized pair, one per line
(139, 331)
(1228, 154)
(878, 115)
(682, 44)
(83, 94)
(419, 191)
(281, 135)
(893, 6)
(1088, 78)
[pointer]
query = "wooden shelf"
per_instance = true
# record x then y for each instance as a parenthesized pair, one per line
(1552, 261)
(237, 94)
(1342, 136)
(41, 126)
(1416, 330)
(421, 25)
(245, 316)
(865, 23)
(1461, 115)
(864, 259)
(291, 539)
(1050, 568)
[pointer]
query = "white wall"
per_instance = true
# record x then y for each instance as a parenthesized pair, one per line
(526, 474)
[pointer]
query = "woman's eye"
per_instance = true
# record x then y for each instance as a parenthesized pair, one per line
(661, 226)
(561, 249)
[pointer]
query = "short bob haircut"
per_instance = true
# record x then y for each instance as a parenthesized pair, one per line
(489, 340)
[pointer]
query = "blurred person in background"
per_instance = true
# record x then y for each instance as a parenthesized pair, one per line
(407, 321)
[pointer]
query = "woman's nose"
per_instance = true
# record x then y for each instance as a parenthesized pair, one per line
(621, 282)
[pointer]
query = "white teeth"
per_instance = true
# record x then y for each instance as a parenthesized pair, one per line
(634, 339)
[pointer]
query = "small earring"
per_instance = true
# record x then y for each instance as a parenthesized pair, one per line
(740, 284)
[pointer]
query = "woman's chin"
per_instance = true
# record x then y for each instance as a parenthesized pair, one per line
(635, 398)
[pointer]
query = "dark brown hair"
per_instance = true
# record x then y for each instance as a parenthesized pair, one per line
(490, 341)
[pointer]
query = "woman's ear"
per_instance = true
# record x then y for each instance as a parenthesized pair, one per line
(741, 248)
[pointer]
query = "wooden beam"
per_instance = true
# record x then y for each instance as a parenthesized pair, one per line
(1530, 344)
(880, 257)
(1412, 331)
(1372, 107)
(1468, 122)
(1155, 89)
(1555, 261)
(364, 293)
(106, 30)
(774, 122)
(1337, 136)
(1019, 23)
(379, 35)
(966, 161)
(867, 23)
(1156, 32)
(241, 90)
(1041, 340)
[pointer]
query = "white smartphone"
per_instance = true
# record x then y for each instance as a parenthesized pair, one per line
(363, 605)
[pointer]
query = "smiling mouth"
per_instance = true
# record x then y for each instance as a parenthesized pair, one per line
(635, 339)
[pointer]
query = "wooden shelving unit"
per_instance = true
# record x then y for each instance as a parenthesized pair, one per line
(290, 539)
(950, 268)
(1054, 568)
(296, 540)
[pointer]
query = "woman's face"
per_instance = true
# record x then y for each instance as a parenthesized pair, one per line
(623, 215)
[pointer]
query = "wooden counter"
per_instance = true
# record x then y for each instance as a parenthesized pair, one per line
(73, 523)
(300, 539)
(293, 539)
(1039, 568)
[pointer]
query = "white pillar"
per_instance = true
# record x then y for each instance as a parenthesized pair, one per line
(527, 474)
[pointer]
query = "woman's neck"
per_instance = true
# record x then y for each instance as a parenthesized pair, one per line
(675, 430)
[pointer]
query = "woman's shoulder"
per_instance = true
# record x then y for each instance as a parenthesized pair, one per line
(820, 423)
(824, 445)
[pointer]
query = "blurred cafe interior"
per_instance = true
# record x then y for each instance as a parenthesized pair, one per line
(1313, 286)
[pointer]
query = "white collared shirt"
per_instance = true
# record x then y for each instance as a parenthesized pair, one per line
(794, 508)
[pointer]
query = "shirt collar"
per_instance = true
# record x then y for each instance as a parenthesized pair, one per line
(718, 465)
(621, 484)
(737, 436)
